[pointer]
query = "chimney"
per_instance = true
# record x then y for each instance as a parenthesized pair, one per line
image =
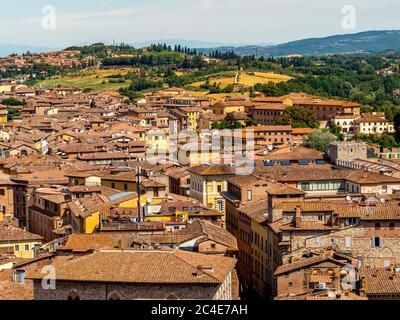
(298, 217)
(199, 272)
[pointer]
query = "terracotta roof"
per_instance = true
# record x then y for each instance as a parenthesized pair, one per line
(12, 233)
(212, 170)
(151, 267)
(256, 210)
(209, 231)
(86, 206)
(295, 153)
(365, 177)
(96, 241)
(379, 281)
(318, 258)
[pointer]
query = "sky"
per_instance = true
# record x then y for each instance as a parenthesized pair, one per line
(226, 21)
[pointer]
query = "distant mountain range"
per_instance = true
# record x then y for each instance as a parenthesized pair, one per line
(191, 43)
(363, 42)
(7, 49)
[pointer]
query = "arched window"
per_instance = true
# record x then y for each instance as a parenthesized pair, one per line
(392, 226)
(114, 297)
(377, 226)
(73, 296)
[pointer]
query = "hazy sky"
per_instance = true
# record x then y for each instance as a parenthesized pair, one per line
(228, 21)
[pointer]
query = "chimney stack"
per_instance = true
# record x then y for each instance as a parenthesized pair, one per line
(199, 271)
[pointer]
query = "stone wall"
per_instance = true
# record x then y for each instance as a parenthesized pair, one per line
(99, 291)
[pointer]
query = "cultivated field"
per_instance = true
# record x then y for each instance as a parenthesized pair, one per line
(247, 79)
(96, 80)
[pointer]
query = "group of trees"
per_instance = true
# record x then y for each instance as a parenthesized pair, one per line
(231, 123)
(150, 59)
(215, 88)
(298, 117)
(319, 140)
(11, 103)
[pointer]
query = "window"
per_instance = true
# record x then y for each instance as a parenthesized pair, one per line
(2, 192)
(16, 248)
(27, 247)
(125, 186)
(376, 242)
(377, 226)
(347, 242)
(19, 276)
(391, 226)
(113, 185)
(384, 189)
(220, 205)
(219, 188)
(249, 195)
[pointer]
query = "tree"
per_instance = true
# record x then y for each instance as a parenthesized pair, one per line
(12, 113)
(298, 117)
(320, 140)
(12, 102)
(396, 120)
(231, 121)
(249, 122)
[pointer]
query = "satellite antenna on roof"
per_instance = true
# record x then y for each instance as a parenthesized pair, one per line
(348, 198)
(383, 200)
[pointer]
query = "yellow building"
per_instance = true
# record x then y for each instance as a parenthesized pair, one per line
(223, 108)
(122, 182)
(207, 182)
(196, 156)
(16, 241)
(157, 138)
(193, 116)
(3, 114)
(259, 254)
(87, 212)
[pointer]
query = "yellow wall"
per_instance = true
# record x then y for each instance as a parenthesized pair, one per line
(119, 185)
(166, 218)
(261, 256)
(22, 253)
(3, 118)
(193, 124)
(92, 222)
(68, 138)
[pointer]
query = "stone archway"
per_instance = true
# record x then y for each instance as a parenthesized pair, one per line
(73, 296)
(114, 297)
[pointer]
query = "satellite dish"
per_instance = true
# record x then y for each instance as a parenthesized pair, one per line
(270, 147)
(348, 198)
(149, 200)
(383, 200)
